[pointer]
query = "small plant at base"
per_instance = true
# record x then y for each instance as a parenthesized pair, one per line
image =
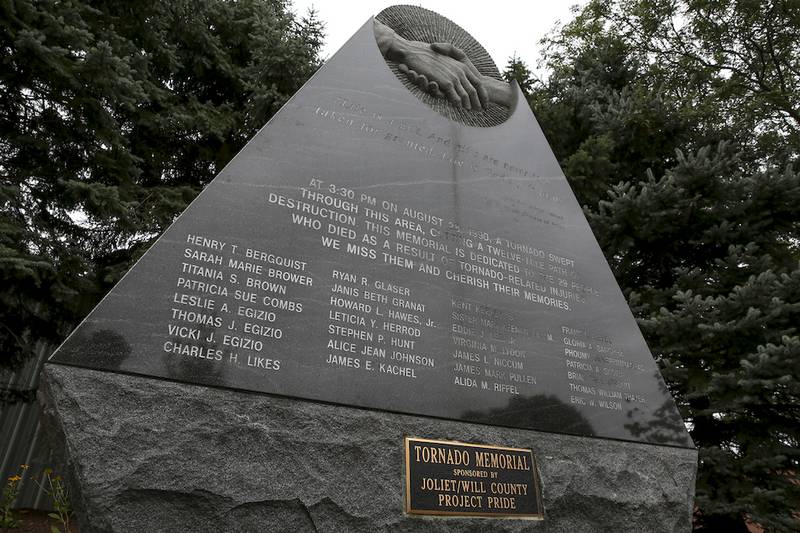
(54, 486)
(10, 492)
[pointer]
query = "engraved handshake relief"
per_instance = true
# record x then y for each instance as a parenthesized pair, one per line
(443, 71)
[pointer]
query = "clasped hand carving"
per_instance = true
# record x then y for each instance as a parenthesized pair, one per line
(442, 70)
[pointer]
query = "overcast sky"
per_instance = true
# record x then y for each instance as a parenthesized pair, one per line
(503, 27)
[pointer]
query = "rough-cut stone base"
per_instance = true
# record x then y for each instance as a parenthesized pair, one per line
(151, 455)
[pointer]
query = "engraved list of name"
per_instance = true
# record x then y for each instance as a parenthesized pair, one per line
(379, 303)
(231, 301)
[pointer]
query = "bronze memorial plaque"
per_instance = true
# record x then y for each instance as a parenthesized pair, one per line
(448, 478)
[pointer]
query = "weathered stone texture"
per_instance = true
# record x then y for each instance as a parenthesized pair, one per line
(152, 455)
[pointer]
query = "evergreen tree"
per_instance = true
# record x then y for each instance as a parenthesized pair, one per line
(674, 122)
(516, 70)
(113, 117)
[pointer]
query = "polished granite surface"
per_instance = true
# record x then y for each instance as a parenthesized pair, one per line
(365, 250)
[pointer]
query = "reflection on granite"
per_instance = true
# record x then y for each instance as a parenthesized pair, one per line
(546, 412)
(185, 368)
(103, 348)
(660, 425)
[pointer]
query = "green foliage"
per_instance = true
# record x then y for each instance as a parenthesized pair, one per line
(114, 115)
(677, 126)
(702, 253)
(742, 55)
(516, 70)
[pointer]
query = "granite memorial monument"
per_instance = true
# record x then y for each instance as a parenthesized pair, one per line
(393, 269)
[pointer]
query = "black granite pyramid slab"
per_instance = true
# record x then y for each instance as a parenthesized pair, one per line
(366, 249)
